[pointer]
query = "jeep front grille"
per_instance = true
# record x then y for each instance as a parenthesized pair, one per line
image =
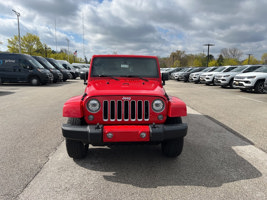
(126, 110)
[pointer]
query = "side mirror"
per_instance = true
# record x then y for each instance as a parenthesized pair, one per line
(164, 77)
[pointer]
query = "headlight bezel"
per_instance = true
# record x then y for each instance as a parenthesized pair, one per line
(94, 101)
(161, 108)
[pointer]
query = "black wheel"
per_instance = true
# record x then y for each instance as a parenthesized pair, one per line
(231, 83)
(1, 82)
(76, 149)
(259, 87)
(172, 148)
(73, 76)
(34, 81)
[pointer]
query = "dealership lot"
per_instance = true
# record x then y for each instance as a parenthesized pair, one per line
(224, 155)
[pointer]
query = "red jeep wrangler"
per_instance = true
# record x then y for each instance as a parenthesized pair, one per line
(124, 101)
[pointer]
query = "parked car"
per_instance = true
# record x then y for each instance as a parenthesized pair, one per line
(179, 69)
(195, 77)
(66, 74)
(16, 68)
(69, 67)
(209, 76)
(176, 74)
(185, 75)
(81, 69)
(56, 73)
(227, 78)
(169, 71)
(124, 102)
(252, 81)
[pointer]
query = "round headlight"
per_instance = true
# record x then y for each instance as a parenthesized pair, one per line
(158, 105)
(93, 105)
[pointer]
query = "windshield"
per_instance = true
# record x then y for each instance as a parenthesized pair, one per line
(262, 69)
(47, 63)
(219, 69)
(66, 63)
(55, 63)
(36, 63)
(124, 67)
(238, 69)
(207, 69)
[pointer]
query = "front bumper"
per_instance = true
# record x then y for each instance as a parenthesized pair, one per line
(243, 84)
(194, 79)
(221, 82)
(97, 134)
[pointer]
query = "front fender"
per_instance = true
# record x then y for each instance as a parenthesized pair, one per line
(176, 107)
(73, 107)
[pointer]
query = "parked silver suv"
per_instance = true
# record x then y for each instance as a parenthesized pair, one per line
(227, 79)
(252, 81)
(208, 78)
(195, 77)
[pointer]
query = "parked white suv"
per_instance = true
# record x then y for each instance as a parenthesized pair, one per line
(195, 77)
(208, 78)
(252, 81)
(227, 79)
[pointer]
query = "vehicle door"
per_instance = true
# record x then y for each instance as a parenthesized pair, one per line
(24, 70)
(9, 69)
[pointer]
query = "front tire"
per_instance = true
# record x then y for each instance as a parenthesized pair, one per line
(172, 148)
(76, 149)
(34, 81)
(259, 87)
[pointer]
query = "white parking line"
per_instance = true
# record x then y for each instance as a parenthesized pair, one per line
(252, 99)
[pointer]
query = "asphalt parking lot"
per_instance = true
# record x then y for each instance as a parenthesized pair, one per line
(224, 154)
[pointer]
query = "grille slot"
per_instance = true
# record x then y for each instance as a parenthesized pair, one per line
(126, 110)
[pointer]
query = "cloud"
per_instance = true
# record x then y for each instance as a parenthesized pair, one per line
(140, 26)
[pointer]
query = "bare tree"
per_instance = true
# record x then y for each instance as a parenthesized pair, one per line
(231, 53)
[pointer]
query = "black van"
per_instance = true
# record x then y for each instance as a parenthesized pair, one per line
(66, 73)
(69, 67)
(58, 76)
(16, 68)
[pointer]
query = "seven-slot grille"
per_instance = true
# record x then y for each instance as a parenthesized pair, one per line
(126, 110)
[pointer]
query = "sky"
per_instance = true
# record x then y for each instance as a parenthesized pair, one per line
(139, 27)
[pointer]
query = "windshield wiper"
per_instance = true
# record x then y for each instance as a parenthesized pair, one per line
(132, 76)
(108, 77)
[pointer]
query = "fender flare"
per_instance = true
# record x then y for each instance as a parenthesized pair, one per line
(176, 107)
(73, 107)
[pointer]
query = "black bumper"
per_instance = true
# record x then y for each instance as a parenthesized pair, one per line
(93, 134)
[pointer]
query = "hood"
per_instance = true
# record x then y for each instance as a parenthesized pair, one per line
(207, 73)
(260, 74)
(107, 87)
(228, 73)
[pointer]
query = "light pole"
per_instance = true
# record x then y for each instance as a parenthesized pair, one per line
(249, 57)
(208, 57)
(18, 14)
(68, 48)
